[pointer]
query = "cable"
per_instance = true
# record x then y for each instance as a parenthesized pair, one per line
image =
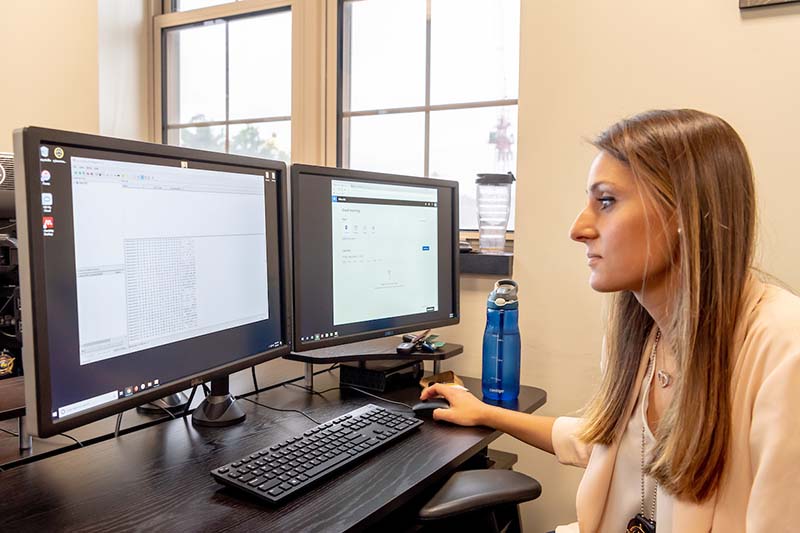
(310, 391)
(7, 302)
(9, 226)
(333, 367)
(73, 438)
(281, 410)
(9, 432)
(369, 394)
(165, 410)
(119, 423)
(255, 381)
(189, 403)
(377, 397)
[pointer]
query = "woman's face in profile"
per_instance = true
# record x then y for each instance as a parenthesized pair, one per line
(626, 239)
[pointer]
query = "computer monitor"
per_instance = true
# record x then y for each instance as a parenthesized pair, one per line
(374, 255)
(145, 269)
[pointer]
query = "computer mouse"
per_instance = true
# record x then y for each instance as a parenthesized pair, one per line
(424, 409)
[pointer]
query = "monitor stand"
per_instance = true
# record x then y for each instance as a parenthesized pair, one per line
(381, 349)
(174, 403)
(219, 408)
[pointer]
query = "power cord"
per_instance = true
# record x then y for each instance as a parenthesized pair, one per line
(343, 387)
(280, 410)
(255, 381)
(79, 443)
(9, 432)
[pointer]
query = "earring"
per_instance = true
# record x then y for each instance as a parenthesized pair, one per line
(679, 231)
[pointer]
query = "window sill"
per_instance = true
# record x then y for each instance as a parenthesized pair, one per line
(493, 264)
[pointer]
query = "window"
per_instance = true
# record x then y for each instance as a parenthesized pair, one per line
(227, 81)
(430, 87)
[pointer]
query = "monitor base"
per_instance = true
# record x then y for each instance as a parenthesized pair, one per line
(220, 408)
(174, 403)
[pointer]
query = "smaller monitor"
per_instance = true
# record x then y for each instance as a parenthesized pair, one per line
(375, 255)
(145, 269)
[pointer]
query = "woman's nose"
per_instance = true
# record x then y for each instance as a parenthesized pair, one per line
(583, 228)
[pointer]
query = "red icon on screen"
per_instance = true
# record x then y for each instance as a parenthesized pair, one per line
(48, 223)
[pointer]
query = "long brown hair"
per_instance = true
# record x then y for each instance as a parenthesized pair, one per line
(696, 169)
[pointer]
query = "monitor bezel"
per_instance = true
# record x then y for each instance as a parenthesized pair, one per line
(362, 175)
(38, 395)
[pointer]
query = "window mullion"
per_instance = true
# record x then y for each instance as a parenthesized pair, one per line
(427, 137)
(227, 87)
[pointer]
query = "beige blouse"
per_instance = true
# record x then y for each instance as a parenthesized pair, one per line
(760, 490)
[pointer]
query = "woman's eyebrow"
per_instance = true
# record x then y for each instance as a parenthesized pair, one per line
(599, 185)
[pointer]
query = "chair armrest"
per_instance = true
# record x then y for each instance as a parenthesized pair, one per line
(472, 490)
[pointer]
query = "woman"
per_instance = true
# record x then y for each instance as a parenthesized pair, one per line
(695, 426)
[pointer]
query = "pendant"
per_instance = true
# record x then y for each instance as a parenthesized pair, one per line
(641, 524)
(664, 378)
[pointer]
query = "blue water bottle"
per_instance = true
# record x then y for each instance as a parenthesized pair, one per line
(501, 344)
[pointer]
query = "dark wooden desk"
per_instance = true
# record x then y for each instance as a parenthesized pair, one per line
(158, 478)
(12, 398)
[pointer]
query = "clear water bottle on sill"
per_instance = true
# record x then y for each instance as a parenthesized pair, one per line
(494, 208)
(501, 343)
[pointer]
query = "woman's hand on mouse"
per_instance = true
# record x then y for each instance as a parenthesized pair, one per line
(465, 409)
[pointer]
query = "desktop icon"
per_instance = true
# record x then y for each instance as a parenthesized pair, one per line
(48, 223)
(44, 151)
(155, 382)
(47, 199)
(128, 391)
(45, 177)
(58, 152)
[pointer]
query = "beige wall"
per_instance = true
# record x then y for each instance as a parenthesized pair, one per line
(583, 66)
(124, 54)
(49, 66)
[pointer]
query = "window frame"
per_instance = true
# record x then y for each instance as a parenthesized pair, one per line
(310, 112)
(342, 89)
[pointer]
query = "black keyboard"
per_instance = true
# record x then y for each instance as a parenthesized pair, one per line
(278, 472)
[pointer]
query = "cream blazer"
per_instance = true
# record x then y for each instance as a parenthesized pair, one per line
(760, 488)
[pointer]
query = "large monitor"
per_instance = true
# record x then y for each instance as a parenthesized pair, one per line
(374, 255)
(144, 269)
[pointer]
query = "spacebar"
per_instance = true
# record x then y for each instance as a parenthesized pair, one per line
(327, 465)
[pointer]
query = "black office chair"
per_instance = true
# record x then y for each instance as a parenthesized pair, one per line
(482, 500)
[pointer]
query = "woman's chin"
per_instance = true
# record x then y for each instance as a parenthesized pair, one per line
(601, 284)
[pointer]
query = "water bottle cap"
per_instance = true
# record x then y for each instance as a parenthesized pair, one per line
(504, 293)
(495, 179)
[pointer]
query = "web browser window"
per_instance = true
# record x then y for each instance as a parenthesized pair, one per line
(385, 251)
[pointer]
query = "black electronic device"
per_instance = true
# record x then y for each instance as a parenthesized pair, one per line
(145, 269)
(7, 177)
(375, 255)
(425, 408)
(413, 344)
(380, 376)
(280, 471)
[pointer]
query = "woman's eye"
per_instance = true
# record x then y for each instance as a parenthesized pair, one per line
(605, 201)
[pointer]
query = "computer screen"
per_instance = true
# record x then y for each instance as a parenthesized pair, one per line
(374, 254)
(144, 268)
